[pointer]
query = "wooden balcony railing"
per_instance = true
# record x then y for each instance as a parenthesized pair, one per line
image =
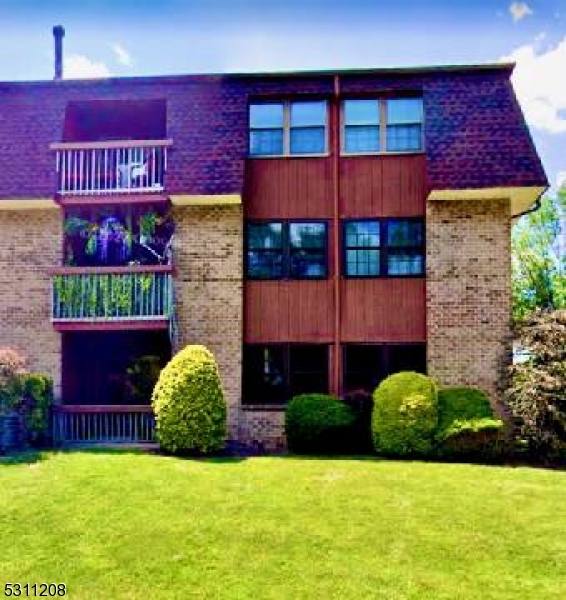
(111, 167)
(103, 294)
(103, 424)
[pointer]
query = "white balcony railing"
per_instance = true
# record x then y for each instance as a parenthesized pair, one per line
(111, 167)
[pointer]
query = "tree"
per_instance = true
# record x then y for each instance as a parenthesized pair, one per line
(538, 258)
(537, 394)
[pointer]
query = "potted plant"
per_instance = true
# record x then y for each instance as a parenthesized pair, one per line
(147, 224)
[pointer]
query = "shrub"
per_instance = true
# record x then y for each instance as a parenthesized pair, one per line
(537, 394)
(317, 424)
(467, 426)
(12, 367)
(361, 404)
(405, 414)
(37, 393)
(189, 403)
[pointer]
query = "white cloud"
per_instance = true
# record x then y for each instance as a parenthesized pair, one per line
(541, 86)
(519, 10)
(78, 66)
(122, 55)
(561, 179)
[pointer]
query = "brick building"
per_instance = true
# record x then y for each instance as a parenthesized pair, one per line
(317, 231)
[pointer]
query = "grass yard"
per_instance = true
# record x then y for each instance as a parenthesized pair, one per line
(132, 525)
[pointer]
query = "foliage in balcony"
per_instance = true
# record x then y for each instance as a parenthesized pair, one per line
(118, 237)
(110, 295)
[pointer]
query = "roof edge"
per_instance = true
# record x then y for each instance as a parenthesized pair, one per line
(505, 67)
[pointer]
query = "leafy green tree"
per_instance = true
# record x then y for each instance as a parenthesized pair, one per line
(538, 258)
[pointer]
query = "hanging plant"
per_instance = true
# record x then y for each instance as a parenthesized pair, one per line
(147, 224)
(75, 225)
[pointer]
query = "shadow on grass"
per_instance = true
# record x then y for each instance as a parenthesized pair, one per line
(23, 457)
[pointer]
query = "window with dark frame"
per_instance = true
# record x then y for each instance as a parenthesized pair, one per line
(366, 365)
(286, 250)
(382, 125)
(384, 247)
(274, 373)
(290, 128)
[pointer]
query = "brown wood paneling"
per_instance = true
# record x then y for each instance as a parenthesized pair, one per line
(389, 186)
(383, 310)
(288, 188)
(288, 311)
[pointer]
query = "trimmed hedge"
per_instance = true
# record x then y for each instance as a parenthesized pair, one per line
(467, 425)
(405, 415)
(318, 424)
(189, 403)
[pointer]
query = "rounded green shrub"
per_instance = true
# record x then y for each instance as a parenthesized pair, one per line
(467, 426)
(189, 405)
(405, 415)
(318, 424)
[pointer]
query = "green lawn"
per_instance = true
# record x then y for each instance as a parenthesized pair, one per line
(129, 525)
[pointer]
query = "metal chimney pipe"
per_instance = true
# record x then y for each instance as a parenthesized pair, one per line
(58, 34)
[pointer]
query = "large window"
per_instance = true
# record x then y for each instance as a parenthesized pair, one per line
(384, 248)
(286, 250)
(366, 365)
(274, 373)
(382, 125)
(288, 128)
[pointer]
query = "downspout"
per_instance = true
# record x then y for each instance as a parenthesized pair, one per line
(337, 362)
(533, 208)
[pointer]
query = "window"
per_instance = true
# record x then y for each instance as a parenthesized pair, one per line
(404, 124)
(366, 365)
(362, 248)
(361, 126)
(288, 128)
(274, 373)
(382, 125)
(286, 250)
(384, 247)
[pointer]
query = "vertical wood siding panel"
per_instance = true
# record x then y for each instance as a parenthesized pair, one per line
(383, 186)
(288, 311)
(383, 310)
(288, 188)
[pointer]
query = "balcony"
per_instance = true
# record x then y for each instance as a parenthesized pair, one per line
(110, 298)
(111, 167)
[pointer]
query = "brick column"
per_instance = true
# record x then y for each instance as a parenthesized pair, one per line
(208, 291)
(469, 292)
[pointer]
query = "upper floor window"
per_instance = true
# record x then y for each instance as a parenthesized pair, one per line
(404, 124)
(382, 125)
(288, 128)
(286, 250)
(384, 247)
(361, 126)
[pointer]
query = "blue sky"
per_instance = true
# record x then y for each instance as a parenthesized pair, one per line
(148, 37)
